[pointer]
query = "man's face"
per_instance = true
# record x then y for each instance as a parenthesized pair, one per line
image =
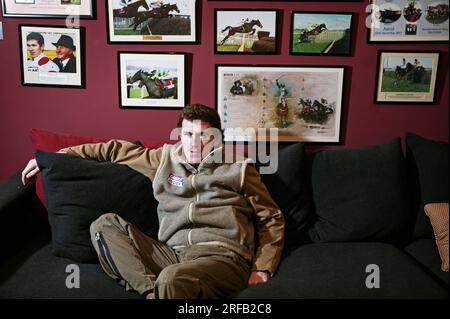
(62, 52)
(34, 48)
(194, 137)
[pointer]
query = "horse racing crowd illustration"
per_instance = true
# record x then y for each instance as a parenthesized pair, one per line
(285, 101)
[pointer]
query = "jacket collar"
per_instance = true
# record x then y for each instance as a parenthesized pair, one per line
(178, 151)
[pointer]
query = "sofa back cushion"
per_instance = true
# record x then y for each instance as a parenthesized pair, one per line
(289, 187)
(361, 195)
(77, 191)
(428, 163)
(54, 141)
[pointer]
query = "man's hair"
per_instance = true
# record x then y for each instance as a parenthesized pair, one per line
(200, 112)
(36, 36)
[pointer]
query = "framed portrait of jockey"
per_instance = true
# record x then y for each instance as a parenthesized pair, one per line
(407, 21)
(152, 21)
(151, 80)
(56, 9)
(246, 31)
(406, 77)
(52, 56)
(280, 102)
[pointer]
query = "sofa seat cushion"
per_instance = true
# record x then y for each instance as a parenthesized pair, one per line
(338, 270)
(36, 273)
(425, 251)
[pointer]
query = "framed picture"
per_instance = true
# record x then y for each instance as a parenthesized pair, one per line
(406, 77)
(84, 9)
(408, 21)
(158, 21)
(152, 80)
(302, 103)
(52, 56)
(245, 31)
(321, 33)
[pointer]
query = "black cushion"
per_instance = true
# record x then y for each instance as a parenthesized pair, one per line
(425, 251)
(36, 273)
(428, 172)
(339, 270)
(77, 191)
(290, 189)
(361, 194)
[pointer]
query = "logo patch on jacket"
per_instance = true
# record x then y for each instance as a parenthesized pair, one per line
(175, 180)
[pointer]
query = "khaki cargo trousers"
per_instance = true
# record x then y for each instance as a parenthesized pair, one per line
(152, 268)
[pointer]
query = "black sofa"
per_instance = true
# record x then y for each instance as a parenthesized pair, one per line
(351, 214)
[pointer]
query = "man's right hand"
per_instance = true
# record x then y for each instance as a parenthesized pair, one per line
(29, 172)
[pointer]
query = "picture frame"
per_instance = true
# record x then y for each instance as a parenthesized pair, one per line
(406, 77)
(304, 103)
(52, 56)
(151, 80)
(408, 21)
(56, 9)
(161, 21)
(321, 33)
(246, 31)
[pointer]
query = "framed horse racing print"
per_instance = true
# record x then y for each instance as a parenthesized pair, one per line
(246, 31)
(62, 9)
(151, 80)
(158, 21)
(321, 33)
(298, 103)
(52, 56)
(406, 77)
(408, 21)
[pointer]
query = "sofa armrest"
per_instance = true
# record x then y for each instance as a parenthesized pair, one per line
(21, 215)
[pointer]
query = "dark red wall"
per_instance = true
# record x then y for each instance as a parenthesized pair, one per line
(94, 111)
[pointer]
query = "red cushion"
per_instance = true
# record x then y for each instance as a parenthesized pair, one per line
(53, 142)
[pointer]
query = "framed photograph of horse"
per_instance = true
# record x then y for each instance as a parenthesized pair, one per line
(158, 21)
(408, 21)
(246, 31)
(52, 56)
(321, 33)
(282, 103)
(58, 9)
(406, 77)
(151, 80)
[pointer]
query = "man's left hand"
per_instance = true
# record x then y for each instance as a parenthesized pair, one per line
(258, 277)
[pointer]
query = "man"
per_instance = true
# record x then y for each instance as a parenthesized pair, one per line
(207, 211)
(38, 61)
(65, 58)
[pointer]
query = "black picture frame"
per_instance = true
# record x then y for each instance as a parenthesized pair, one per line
(46, 68)
(400, 83)
(143, 91)
(187, 21)
(264, 87)
(318, 38)
(13, 9)
(391, 22)
(228, 23)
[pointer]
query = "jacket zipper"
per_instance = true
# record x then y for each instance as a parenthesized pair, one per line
(106, 254)
(191, 211)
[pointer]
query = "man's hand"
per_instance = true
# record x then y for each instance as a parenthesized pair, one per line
(29, 172)
(258, 277)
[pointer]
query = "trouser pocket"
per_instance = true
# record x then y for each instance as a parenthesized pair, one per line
(105, 256)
